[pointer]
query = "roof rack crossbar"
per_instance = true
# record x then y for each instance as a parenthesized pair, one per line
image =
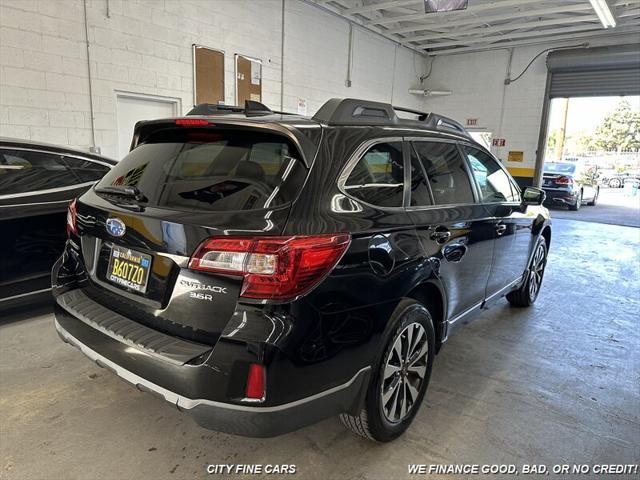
(351, 111)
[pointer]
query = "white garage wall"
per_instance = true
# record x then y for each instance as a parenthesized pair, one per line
(144, 46)
(512, 112)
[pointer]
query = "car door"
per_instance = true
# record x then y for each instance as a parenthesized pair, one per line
(512, 226)
(453, 228)
(36, 187)
(384, 233)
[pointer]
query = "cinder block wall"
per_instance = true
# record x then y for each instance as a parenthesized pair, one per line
(144, 46)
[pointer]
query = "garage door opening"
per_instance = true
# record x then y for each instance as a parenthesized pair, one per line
(592, 159)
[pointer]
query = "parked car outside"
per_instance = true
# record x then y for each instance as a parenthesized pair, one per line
(37, 182)
(617, 179)
(570, 184)
(263, 271)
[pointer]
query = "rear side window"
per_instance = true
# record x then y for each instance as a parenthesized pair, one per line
(200, 169)
(25, 171)
(494, 183)
(446, 173)
(86, 170)
(378, 178)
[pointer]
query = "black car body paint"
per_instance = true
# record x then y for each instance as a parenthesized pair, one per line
(37, 182)
(319, 349)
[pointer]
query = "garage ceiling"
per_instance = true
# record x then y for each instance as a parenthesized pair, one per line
(485, 24)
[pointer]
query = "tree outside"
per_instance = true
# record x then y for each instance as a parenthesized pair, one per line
(619, 131)
(602, 131)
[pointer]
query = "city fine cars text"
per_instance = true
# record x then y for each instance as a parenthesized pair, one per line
(510, 469)
(250, 469)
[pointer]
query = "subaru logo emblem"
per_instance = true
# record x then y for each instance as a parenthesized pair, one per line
(115, 227)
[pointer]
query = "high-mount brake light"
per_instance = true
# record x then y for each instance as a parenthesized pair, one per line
(192, 122)
(273, 268)
(71, 218)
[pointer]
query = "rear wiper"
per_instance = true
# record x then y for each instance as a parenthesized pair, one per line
(124, 191)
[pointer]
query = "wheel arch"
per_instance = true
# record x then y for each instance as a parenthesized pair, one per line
(433, 297)
(546, 233)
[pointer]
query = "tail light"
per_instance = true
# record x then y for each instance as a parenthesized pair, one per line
(273, 268)
(563, 180)
(71, 218)
(255, 388)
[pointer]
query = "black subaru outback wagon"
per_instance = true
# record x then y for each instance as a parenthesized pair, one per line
(263, 271)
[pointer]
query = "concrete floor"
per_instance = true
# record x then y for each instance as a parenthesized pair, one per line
(555, 384)
(615, 206)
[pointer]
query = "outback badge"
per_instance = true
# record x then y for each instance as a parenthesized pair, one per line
(115, 227)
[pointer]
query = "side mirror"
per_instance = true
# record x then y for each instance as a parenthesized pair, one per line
(533, 196)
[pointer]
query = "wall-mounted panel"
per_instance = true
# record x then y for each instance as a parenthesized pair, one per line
(208, 75)
(248, 79)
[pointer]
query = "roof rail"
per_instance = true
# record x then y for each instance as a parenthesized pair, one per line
(440, 122)
(251, 109)
(422, 116)
(351, 111)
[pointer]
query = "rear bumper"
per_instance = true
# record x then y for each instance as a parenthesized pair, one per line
(246, 420)
(560, 197)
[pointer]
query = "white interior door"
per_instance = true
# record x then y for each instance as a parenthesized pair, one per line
(133, 108)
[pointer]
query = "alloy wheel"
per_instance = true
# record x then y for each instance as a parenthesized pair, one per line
(537, 271)
(404, 372)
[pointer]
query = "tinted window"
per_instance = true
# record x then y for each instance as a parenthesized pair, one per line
(85, 170)
(559, 168)
(212, 170)
(420, 195)
(23, 171)
(445, 169)
(494, 183)
(378, 178)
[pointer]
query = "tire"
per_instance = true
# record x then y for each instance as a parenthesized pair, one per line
(593, 202)
(576, 207)
(526, 295)
(615, 183)
(410, 324)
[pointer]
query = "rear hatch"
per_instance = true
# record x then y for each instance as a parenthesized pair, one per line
(182, 185)
(558, 175)
(555, 180)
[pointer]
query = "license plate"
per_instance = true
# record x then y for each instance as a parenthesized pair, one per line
(129, 269)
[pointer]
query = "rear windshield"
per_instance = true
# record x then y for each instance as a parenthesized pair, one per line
(199, 169)
(559, 168)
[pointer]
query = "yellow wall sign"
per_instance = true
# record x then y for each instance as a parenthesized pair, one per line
(521, 172)
(515, 156)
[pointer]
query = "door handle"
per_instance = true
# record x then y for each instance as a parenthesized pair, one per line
(501, 228)
(441, 236)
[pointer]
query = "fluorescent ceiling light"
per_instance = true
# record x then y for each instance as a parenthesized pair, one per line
(430, 93)
(435, 6)
(602, 9)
